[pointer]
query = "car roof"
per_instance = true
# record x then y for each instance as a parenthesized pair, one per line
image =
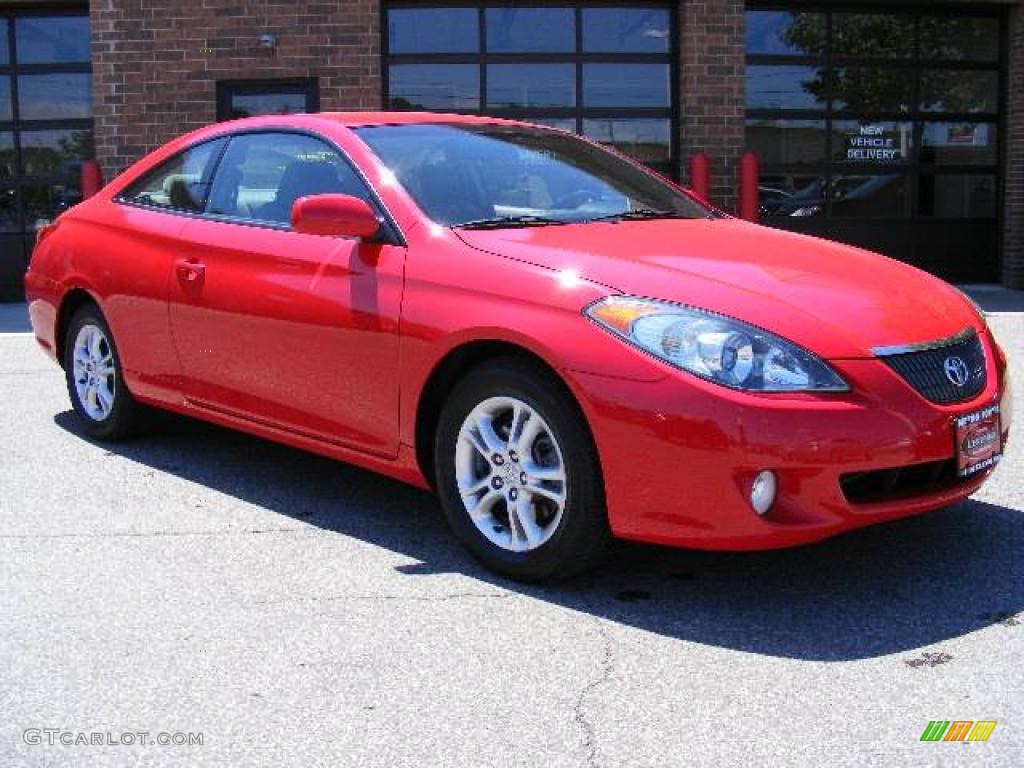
(363, 119)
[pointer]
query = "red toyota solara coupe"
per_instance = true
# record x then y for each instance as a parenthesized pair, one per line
(565, 346)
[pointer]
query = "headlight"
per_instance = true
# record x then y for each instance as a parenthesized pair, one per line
(717, 348)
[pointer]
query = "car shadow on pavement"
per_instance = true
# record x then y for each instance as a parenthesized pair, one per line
(887, 589)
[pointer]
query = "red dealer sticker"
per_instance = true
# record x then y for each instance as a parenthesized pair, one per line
(978, 440)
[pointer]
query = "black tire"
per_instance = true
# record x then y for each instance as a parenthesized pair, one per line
(582, 535)
(125, 417)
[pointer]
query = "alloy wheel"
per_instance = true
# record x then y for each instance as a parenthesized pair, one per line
(510, 474)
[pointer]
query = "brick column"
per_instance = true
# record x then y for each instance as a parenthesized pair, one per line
(712, 90)
(156, 63)
(1013, 212)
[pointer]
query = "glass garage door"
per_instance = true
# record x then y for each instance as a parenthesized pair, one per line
(881, 128)
(45, 127)
(606, 72)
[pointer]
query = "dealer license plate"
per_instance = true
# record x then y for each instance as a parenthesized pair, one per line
(978, 440)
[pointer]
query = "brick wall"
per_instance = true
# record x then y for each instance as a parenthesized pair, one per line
(712, 90)
(156, 62)
(1013, 215)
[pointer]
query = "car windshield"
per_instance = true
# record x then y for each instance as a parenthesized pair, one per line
(496, 176)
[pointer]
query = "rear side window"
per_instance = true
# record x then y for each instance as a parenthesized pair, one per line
(180, 183)
(262, 174)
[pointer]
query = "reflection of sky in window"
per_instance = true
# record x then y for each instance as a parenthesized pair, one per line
(436, 86)
(648, 137)
(531, 85)
(625, 85)
(625, 30)
(531, 30)
(52, 39)
(781, 87)
(433, 30)
(55, 96)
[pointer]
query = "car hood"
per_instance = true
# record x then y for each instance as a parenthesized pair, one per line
(835, 300)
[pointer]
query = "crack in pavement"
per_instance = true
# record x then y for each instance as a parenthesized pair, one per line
(578, 710)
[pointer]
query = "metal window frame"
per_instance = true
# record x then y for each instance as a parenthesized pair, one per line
(578, 57)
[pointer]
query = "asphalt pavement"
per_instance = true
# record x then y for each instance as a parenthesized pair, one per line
(288, 610)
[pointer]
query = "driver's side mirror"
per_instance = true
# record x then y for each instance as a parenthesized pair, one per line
(334, 215)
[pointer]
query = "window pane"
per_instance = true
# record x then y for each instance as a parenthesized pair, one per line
(561, 123)
(180, 183)
(531, 30)
(43, 204)
(433, 30)
(787, 87)
(434, 86)
(57, 152)
(262, 175)
(875, 142)
(786, 141)
(6, 112)
(872, 89)
(958, 197)
(797, 195)
(781, 32)
(872, 196)
(862, 35)
(5, 54)
(249, 104)
(531, 85)
(959, 143)
(960, 37)
(646, 140)
(626, 85)
(54, 97)
(626, 30)
(7, 158)
(48, 39)
(950, 90)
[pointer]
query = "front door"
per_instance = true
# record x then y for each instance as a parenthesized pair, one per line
(298, 331)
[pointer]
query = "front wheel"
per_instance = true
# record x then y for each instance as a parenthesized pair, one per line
(518, 474)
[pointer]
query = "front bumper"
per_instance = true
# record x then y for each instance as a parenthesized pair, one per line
(678, 454)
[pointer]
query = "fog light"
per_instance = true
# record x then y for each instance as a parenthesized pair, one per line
(762, 492)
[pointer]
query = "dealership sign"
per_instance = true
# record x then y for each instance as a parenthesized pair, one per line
(874, 143)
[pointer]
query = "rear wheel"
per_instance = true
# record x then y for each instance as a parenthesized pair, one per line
(518, 473)
(105, 407)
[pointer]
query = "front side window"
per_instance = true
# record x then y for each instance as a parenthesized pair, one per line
(262, 174)
(179, 184)
(508, 175)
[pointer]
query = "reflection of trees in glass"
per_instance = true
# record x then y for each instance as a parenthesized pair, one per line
(866, 89)
(960, 38)
(70, 149)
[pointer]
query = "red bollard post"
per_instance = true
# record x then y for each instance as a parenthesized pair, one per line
(750, 177)
(700, 176)
(92, 179)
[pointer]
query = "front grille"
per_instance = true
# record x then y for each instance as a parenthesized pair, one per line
(899, 482)
(926, 369)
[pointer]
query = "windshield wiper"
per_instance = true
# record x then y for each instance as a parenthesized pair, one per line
(639, 214)
(501, 222)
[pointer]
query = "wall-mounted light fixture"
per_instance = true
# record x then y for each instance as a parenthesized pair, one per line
(268, 40)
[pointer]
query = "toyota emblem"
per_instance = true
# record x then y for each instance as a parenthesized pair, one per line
(956, 370)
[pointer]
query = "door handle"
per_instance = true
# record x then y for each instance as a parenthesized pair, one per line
(190, 270)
